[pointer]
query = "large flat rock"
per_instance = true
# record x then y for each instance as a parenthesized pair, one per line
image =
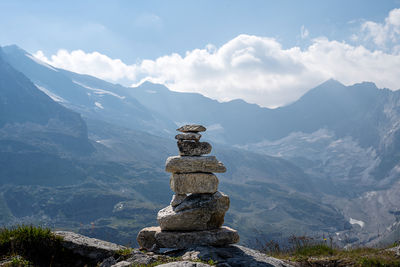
(192, 148)
(231, 256)
(198, 182)
(87, 247)
(195, 212)
(186, 164)
(186, 239)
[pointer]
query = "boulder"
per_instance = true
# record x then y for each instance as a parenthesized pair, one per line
(196, 212)
(188, 136)
(146, 237)
(192, 128)
(192, 148)
(185, 239)
(178, 164)
(92, 248)
(197, 182)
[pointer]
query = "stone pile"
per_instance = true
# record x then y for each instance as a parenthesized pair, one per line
(196, 212)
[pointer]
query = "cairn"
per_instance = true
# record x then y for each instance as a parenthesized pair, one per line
(196, 212)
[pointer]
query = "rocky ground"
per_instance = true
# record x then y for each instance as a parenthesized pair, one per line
(107, 254)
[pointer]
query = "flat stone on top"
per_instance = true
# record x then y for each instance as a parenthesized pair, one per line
(150, 236)
(192, 128)
(193, 183)
(186, 164)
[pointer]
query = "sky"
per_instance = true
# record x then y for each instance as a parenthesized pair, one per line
(265, 52)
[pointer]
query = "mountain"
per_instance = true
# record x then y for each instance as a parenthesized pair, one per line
(308, 167)
(29, 117)
(90, 101)
(115, 188)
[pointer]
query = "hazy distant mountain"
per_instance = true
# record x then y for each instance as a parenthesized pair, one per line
(92, 101)
(121, 179)
(310, 166)
(28, 115)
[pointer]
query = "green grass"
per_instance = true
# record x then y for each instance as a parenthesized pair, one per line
(124, 252)
(34, 244)
(307, 251)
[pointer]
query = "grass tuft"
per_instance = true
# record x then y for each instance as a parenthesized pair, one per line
(308, 251)
(34, 244)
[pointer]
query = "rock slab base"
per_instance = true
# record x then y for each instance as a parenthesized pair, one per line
(151, 237)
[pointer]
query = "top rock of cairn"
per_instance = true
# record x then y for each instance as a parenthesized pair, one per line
(192, 128)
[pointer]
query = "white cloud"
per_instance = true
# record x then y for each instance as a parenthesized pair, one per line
(383, 34)
(94, 63)
(304, 33)
(256, 69)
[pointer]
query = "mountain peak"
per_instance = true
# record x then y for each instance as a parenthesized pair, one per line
(153, 86)
(330, 82)
(14, 49)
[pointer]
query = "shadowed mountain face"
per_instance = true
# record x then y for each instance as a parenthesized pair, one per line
(304, 168)
(29, 116)
(92, 101)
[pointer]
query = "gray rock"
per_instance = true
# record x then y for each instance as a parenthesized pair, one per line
(231, 255)
(197, 182)
(188, 136)
(184, 264)
(146, 237)
(182, 239)
(396, 250)
(108, 262)
(142, 259)
(178, 164)
(192, 148)
(196, 212)
(87, 247)
(177, 199)
(179, 239)
(192, 128)
(122, 264)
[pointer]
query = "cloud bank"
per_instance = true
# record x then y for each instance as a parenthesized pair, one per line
(383, 34)
(254, 68)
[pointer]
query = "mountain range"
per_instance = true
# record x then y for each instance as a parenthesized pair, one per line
(81, 153)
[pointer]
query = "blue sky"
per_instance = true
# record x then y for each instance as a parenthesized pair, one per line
(133, 30)
(144, 35)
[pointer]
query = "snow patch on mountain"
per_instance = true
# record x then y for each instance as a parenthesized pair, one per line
(99, 91)
(99, 105)
(354, 221)
(52, 95)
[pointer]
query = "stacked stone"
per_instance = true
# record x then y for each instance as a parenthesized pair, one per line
(197, 210)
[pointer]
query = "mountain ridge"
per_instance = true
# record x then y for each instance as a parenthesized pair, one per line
(335, 144)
